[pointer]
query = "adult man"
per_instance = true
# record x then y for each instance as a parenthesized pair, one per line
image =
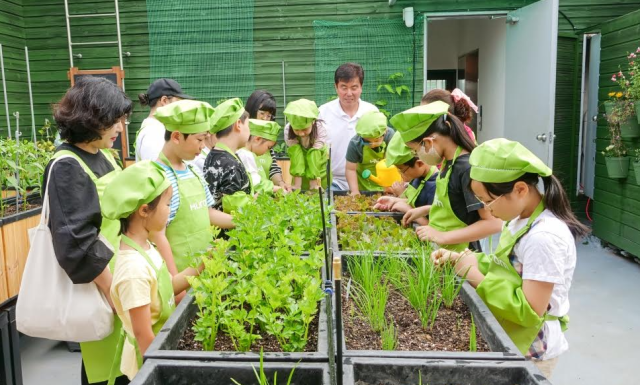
(341, 115)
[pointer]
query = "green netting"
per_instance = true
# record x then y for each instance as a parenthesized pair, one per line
(207, 46)
(389, 52)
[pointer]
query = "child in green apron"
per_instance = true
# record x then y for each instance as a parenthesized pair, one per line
(191, 211)
(367, 148)
(306, 137)
(422, 180)
(455, 216)
(143, 289)
(526, 282)
(228, 180)
(264, 135)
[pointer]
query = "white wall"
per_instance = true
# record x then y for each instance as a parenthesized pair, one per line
(449, 39)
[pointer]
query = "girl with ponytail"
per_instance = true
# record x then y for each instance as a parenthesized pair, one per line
(526, 282)
(460, 105)
(456, 218)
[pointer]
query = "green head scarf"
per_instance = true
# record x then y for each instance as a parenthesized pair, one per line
(397, 152)
(502, 160)
(227, 113)
(264, 129)
(301, 113)
(372, 124)
(415, 121)
(136, 185)
(186, 116)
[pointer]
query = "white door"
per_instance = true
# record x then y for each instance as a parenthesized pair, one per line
(530, 86)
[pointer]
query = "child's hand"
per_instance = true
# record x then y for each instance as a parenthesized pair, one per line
(398, 188)
(429, 234)
(411, 216)
(401, 206)
(442, 256)
(354, 193)
(384, 203)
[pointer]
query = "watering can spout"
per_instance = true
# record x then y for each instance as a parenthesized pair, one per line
(385, 176)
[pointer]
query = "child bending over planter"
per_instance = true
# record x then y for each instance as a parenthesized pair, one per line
(456, 218)
(142, 289)
(526, 282)
(365, 150)
(421, 178)
(307, 140)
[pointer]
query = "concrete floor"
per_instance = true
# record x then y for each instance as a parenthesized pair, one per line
(604, 333)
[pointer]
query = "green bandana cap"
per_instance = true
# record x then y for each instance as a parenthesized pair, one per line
(301, 113)
(372, 124)
(415, 121)
(397, 152)
(501, 160)
(186, 116)
(227, 113)
(264, 129)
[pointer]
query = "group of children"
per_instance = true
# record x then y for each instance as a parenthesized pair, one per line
(458, 192)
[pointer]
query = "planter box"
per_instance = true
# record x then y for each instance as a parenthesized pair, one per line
(502, 348)
(441, 372)
(630, 128)
(617, 167)
(164, 346)
(342, 193)
(10, 365)
(163, 372)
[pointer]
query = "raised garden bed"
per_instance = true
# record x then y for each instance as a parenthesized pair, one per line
(417, 335)
(163, 372)
(364, 202)
(380, 232)
(378, 371)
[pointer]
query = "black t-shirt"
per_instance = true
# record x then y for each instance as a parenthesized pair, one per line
(463, 202)
(425, 197)
(225, 175)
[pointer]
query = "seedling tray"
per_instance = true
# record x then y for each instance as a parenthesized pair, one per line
(375, 371)
(165, 345)
(163, 372)
(342, 193)
(335, 242)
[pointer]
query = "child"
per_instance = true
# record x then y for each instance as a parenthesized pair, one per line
(143, 289)
(228, 180)
(460, 105)
(307, 140)
(455, 217)
(526, 283)
(209, 143)
(264, 135)
(422, 178)
(192, 213)
(367, 148)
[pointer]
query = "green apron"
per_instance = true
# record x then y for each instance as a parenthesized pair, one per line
(165, 289)
(501, 290)
(441, 215)
(189, 233)
(370, 158)
(309, 164)
(266, 185)
(264, 162)
(412, 193)
(98, 355)
(235, 201)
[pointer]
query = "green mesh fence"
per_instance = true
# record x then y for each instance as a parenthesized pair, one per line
(207, 46)
(389, 52)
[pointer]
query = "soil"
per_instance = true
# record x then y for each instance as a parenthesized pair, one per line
(10, 208)
(449, 333)
(356, 203)
(268, 342)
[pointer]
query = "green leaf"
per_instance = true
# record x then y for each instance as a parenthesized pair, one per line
(389, 88)
(381, 103)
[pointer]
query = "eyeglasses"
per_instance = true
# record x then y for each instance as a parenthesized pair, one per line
(487, 205)
(403, 171)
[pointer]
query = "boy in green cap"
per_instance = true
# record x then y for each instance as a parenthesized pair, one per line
(367, 148)
(264, 135)
(526, 282)
(228, 179)
(306, 137)
(422, 180)
(191, 213)
(142, 290)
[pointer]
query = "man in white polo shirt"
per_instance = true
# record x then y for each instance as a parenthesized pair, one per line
(341, 115)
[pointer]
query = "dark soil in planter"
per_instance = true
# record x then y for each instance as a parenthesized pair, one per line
(449, 333)
(268, 342)
(356, 203)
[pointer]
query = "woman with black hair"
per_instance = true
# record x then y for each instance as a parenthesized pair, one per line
(150, 136)
(262, 105)
(90, 117)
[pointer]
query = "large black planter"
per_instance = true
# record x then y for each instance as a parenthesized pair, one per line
(377, 371)
(164, 346)
(167, 372)
(10, 365)
(502, 348)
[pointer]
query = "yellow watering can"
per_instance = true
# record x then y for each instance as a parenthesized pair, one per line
(385, 176)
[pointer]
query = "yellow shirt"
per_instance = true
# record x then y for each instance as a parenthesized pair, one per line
(134, 284)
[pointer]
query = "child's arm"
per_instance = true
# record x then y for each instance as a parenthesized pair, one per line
(414, 214)
(164, 248)
(322, 138)
(141, 324)
(487, 225)
(220, 219)
(352, 177)
(180, 282)
(538, 294)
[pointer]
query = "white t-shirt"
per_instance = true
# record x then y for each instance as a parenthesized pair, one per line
(198, 162)
(341, 128)
(547, 253)
(248, 159)
(150, 139)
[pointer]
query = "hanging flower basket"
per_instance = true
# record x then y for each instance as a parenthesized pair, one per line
(630, 128)
(617, 167)
(608, 107)
(637, 107)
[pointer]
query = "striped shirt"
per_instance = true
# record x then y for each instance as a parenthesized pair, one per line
(175, 198)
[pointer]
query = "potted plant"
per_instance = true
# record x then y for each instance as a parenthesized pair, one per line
(621, 109)
(615, 154)
(634, 83)
(636, 164)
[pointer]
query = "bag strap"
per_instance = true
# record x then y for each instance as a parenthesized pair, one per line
(44, 217)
